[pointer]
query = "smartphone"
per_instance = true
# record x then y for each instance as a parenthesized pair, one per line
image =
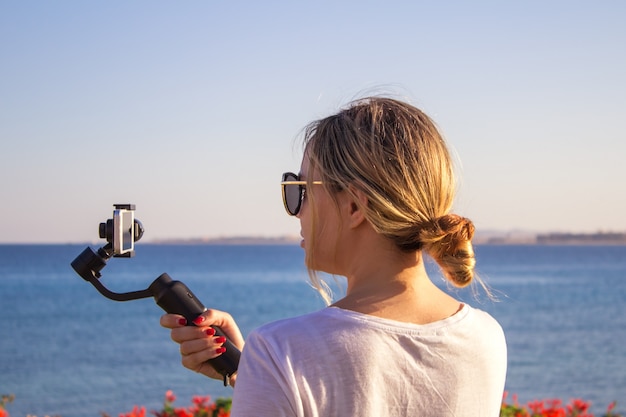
(123, 231)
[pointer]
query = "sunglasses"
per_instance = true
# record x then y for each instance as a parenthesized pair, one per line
(294, 190)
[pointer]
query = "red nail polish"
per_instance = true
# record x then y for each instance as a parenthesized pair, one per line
(220, 350)
(198, 320)
(220, 339)
(210, 331)
(182, 321)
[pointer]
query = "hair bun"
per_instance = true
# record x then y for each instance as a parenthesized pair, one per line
(448, 240)
(453, 224)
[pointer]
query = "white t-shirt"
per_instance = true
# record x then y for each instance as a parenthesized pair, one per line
(339, 363)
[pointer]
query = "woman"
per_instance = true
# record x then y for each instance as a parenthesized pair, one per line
(373, 195)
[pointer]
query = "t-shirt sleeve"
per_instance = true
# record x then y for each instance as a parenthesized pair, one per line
(263, 387)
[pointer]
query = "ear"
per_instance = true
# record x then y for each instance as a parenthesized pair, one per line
(357, 201)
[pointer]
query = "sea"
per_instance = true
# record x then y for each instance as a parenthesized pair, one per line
(65, 350)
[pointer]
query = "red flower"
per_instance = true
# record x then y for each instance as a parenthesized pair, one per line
(181, 412)
(169, 396)
(137, 412)
(200, 401)
(578, 407)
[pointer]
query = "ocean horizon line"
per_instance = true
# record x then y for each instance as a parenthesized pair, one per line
(480, 238)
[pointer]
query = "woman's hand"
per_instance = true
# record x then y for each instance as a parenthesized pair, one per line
(198, 343)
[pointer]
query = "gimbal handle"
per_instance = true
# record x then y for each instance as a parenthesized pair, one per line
(174, 297)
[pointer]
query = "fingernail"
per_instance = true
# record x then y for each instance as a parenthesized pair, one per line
(220, 339)
(182, 321)
(198, 320)
(210, 331)
(220, 350)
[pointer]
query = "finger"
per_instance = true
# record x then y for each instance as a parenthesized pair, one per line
(209, 344)
(214, 318)
(186, 333)
(172, 321)
(195, 356)
(225, 322)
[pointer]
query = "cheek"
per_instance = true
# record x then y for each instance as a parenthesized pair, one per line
(320, 224)
(320, 244)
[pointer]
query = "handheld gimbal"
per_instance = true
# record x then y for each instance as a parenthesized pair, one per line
(172, 296)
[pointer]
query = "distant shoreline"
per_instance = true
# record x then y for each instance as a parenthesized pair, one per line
(580, 239)
(481, 238)
(493, 238)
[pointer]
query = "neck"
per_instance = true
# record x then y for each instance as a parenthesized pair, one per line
(371, 257)
(389, 283)
(384, 281)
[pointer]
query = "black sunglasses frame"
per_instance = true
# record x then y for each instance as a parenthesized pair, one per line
(293, 180)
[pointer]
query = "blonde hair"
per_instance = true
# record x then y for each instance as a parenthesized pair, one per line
(395, 155)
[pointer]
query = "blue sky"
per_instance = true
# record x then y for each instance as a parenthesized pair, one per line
(191, 110)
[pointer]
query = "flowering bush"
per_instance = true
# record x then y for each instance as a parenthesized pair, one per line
(203, 407)
(551, 408)
(5, 399)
